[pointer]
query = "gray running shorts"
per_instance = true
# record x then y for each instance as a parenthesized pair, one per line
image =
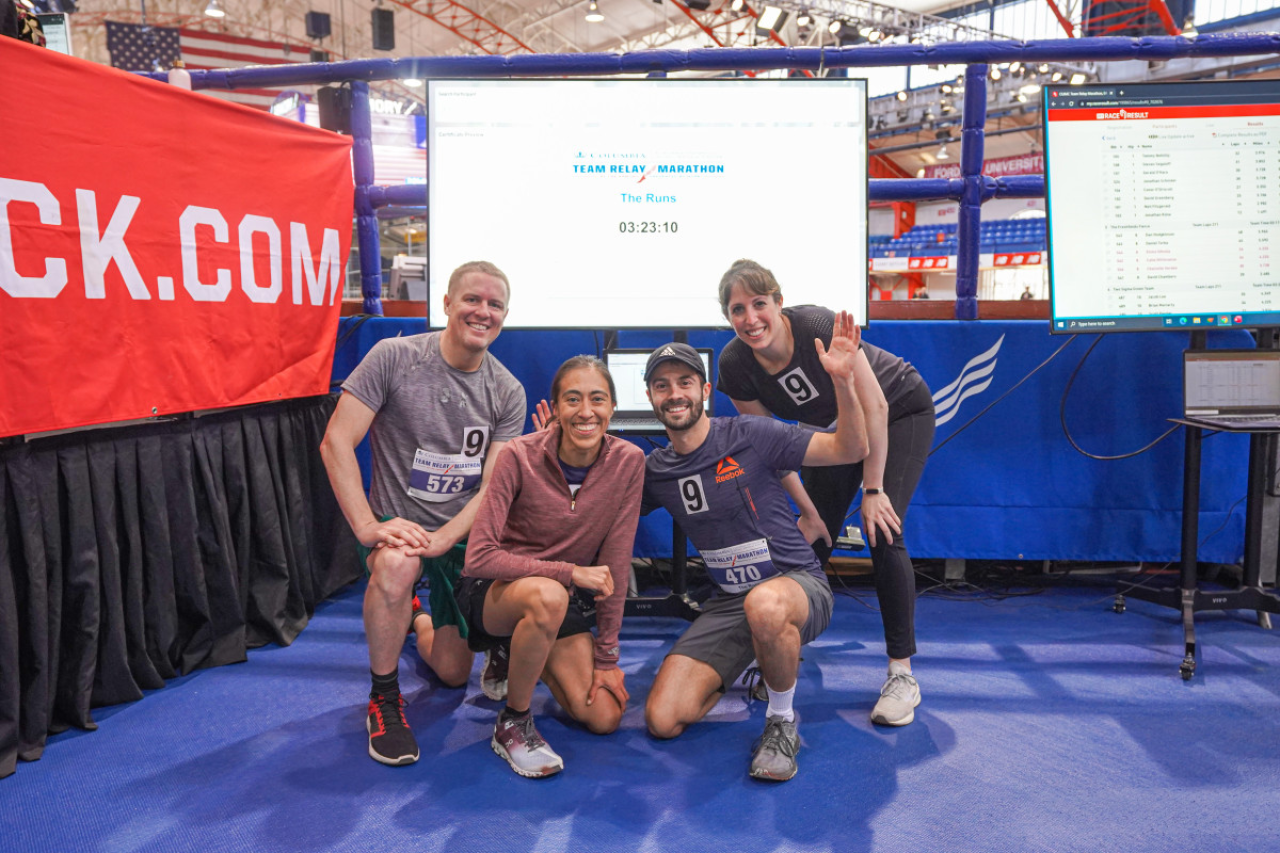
(721, 638)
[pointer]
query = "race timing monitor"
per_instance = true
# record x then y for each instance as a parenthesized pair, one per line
(1164, 205)
(616, 204)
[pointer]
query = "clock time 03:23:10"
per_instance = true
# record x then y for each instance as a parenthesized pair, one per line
(628, 227)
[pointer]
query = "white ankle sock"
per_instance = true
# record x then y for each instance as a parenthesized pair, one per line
(780, 703)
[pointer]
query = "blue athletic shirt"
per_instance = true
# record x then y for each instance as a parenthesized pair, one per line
(727, 497)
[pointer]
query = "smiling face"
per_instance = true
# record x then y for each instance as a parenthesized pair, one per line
(476, 307)
(583, 407)
(756, 317)
(676, 391)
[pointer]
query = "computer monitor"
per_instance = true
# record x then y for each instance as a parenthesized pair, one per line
(1164, 205)
(618, 204)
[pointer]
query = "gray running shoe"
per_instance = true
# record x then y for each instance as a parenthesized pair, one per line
(898, 700)
(517, 740)
(493, 678)
(774, 756)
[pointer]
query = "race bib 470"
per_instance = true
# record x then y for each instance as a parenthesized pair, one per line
(740, 567)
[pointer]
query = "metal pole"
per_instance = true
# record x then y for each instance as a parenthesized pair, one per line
(971, 196)
(366, 218)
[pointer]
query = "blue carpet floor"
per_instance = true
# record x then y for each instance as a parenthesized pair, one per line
(1048, 723)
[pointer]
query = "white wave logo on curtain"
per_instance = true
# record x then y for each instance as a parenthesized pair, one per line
(974, 378)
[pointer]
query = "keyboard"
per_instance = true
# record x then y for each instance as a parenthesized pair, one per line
(1237, 422)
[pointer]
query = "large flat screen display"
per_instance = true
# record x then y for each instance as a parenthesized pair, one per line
(614, 204)
(1164, 205)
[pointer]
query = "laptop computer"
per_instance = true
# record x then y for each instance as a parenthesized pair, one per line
(1232, 389)
(634, 415)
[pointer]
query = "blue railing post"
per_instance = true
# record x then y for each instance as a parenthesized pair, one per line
(969, 231)
(366, 218)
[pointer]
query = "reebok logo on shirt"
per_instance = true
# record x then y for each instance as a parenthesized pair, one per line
(727, 469)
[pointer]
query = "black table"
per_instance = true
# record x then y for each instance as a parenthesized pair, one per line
(1188, 597)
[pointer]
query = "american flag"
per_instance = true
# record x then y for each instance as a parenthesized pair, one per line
(135, 47)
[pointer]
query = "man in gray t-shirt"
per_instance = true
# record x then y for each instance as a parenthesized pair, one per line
(437, 408)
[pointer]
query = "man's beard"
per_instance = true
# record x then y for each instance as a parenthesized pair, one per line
(691, 417)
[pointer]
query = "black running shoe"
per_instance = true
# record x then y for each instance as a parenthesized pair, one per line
(390, 739)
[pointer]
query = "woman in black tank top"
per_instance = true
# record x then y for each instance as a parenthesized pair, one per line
(769, 369)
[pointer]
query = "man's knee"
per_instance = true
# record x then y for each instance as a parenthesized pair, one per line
(662, 720)
(393, 572)
(447, 653)
(452, 667)
(769, 610)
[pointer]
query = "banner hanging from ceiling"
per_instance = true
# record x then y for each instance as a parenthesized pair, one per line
(161, 251)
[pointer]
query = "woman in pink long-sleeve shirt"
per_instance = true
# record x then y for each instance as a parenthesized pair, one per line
(559, 516)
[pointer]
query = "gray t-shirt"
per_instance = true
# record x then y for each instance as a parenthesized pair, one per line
(432, 427)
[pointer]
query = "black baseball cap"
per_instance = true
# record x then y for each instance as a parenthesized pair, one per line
(682, 353)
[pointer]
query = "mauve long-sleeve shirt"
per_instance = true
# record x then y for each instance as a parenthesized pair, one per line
(530, 525)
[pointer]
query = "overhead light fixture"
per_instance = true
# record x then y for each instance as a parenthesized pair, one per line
(1043, 69)
(738, 5)
(945, 88)
(845, 32)
(1057, 75)
(771, 20)
(942, 153)
(1015, 67)
(1020, 98)
(995, 73)
(902, 96)
(412, 82)
(594, 15)
(1078, 78)
(804, 19)
(1030, 89)
(213, 10)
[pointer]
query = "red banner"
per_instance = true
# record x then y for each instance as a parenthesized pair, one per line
(161, 251)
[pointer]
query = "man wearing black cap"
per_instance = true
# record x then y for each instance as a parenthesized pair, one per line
(719, 480)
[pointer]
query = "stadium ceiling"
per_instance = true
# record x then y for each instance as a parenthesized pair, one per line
(468, 27)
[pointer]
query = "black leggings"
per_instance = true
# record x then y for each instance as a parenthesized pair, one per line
(911, 425)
